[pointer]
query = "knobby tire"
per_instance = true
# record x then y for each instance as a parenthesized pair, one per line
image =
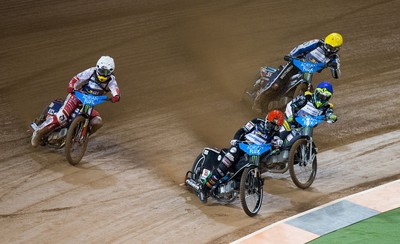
(74, 131)
(251, 185)
(296, 157)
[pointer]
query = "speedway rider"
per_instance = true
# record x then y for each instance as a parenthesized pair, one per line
(316, 103)
(257, 131)
(315, 51)
(97, 81)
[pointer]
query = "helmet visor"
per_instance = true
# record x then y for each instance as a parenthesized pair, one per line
(104, 72)
(331, 49)
(322, 95)
(271, 126)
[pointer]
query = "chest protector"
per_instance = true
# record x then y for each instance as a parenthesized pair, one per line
(95, 87)
(257, 136)
(309, 109)
(317, 56)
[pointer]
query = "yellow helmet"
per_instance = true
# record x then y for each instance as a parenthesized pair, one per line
(333, 42)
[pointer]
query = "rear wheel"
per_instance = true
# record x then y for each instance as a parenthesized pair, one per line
(302, 165)
(77, 140)
(197, 167)
(251, 191)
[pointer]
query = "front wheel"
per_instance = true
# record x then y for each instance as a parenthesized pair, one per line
(251, 191)
(302, 164)
(77, 140)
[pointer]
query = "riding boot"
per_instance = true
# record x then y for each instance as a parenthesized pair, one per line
(206, 187)
(204, 193)
(37, 135)
(43, 129)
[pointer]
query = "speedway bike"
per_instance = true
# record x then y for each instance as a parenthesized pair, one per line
(244, 181)
(74, 135)
(274, 88)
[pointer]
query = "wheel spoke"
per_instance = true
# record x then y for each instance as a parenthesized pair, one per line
(251, 192)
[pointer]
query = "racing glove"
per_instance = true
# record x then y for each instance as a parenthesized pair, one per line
(287, 58)
(70, 89)
(332, 118)
(115, 99)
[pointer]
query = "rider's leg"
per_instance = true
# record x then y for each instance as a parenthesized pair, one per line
(96, 122)
(227, 161)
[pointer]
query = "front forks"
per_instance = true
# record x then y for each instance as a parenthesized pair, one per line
(311, 149)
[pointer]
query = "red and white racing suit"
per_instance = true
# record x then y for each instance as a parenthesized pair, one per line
(87, 82)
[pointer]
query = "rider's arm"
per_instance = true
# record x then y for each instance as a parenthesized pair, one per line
(304, 48)
(297, 103)
(78, 80)
(334, 66)
(330, 116)
(239, 134)
(113, 87)
(248, 127)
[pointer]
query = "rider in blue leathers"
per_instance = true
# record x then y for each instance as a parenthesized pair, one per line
(321, 51)
(315, 104)
(257, 131)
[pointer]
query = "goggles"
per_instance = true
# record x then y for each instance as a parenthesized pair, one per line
(323, 95)
(104, 72)
(331, 49)
(271, 126)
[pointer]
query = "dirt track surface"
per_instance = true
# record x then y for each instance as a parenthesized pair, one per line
(182, 67)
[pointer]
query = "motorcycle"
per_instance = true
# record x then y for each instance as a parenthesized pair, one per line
(274, 88)
(244, 181)
(73, 135)
(298, 154)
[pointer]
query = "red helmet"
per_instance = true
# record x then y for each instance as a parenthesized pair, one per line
(274, 120)
(276, 117)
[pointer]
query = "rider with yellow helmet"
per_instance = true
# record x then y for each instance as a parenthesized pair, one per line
(322, 51)
(316, 51)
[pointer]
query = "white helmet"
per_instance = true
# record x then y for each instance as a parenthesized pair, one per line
(104, 68)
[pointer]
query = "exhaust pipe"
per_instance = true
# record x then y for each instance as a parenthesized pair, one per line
(190, 182)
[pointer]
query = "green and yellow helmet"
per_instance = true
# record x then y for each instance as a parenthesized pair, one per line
(323, 92)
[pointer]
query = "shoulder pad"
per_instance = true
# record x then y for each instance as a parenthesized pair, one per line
(307, 93)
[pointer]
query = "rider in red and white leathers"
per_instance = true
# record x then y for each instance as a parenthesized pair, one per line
(98, 81)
